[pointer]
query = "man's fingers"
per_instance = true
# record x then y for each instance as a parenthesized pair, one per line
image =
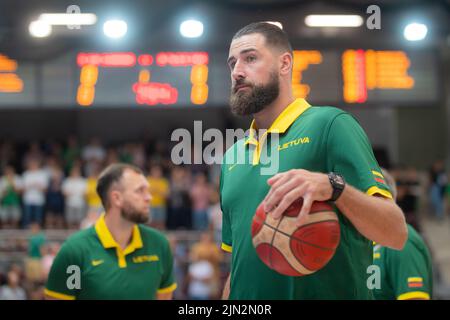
(275, 178)
(306, 208)
(290, 196)
(273, 196)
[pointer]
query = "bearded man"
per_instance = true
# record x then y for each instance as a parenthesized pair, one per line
(118, 258)
(324, 155)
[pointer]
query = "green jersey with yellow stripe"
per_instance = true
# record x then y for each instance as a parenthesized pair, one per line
(405, 274)
(91, 265)
(319, 139)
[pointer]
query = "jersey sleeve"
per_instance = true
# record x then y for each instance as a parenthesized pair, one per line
(62, 279)
(409, 274)
(349, 153)
(226, 223)
(168, 280)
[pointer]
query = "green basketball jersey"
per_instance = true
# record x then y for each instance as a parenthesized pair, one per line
(405, 274)
(319, 139)
(106, 271)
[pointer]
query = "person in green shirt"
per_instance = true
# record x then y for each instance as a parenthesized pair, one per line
(10, 190)
(323, 155)
(118, 258)
(33, 263)
(405, 274)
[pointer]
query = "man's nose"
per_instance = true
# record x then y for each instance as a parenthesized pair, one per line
(238, 72)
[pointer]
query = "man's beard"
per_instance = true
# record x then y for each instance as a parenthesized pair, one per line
(129, 213)
(247, 103)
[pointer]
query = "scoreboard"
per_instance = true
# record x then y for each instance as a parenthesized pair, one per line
(193, 79)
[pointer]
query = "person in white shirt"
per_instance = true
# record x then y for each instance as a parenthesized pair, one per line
(35, 183)
(12, 290)
(74, 189)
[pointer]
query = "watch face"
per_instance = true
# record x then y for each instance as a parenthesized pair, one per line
(339, 180)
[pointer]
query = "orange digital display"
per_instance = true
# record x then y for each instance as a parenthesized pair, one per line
(302, 60)
(370, 69)
(150, 93)
(9, 80)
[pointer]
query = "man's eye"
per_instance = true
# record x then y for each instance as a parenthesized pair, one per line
(251, 58)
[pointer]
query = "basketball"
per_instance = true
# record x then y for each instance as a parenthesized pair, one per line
(292, 250)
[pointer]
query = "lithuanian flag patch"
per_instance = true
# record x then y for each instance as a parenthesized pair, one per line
(415, 282)
(378, 177)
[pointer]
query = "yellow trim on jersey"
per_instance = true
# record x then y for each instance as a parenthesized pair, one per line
(377, 174)
(414, 295)
(376, 255)
(108, 241)
(375, 190)
(415, 279)
(58, 295)
(168, 289)
(280, 125)
(226, 247)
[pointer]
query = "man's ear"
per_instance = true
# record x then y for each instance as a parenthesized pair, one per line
(286, 62)
(115, 198)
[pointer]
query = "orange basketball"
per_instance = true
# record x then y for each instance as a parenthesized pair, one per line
(292, 250)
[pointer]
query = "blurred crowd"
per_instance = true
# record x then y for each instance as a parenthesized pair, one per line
(54, 184)
(50, 185)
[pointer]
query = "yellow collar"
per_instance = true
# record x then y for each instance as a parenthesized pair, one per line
(108, 241)
(283, 121)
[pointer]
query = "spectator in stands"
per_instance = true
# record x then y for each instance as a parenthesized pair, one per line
(200, 196)
(8, 154)
(34, 153)
(10, 190)
(179, 214)
(54, 206)
(35, 183)
(408, 190)
(71, 153)
(438, 183)
(74, 190)
(12, 290)
(53, 149)
(138, 155)
(49, 251)
(33, 265)
(215, 217)
(207, 250)
(180, 262)
(112, 156)
(94, 151)
(159, 189)
(93, 155)
(92, 199)
(200, 280)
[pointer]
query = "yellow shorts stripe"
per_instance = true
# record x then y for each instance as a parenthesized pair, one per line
(58, 295)
(415, 279)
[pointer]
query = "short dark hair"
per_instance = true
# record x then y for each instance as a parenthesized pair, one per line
(275, 36)
(112, 174)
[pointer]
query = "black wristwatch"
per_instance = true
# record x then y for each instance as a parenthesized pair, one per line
(338, 183)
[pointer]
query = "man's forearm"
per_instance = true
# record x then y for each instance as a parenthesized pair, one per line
(378, 219)
(226, 289)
